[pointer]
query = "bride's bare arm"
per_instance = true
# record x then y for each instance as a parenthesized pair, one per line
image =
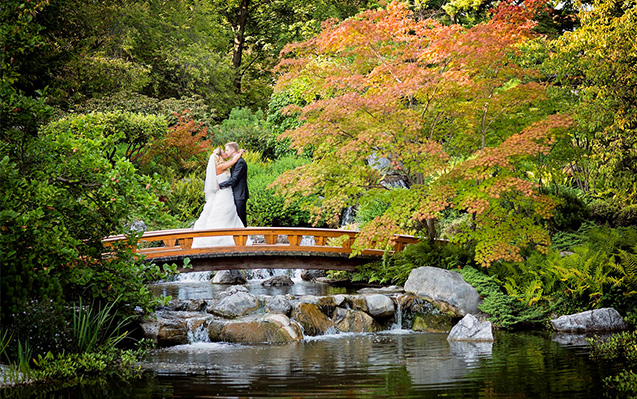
(227, 164)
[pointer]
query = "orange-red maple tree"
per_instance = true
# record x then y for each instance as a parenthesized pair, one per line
(444, 109)
(184, 146)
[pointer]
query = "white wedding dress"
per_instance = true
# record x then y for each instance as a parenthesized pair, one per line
(218, 212)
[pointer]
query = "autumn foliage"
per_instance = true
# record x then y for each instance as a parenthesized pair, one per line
(184, 147)
(445, 109)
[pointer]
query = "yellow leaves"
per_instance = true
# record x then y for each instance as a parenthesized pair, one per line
(430, 100)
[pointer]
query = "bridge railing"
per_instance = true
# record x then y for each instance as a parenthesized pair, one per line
(178, 242)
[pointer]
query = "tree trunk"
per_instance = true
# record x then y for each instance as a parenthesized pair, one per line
(239, 42)
(431, 229)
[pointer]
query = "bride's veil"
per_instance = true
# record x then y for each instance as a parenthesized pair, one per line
(211, 185)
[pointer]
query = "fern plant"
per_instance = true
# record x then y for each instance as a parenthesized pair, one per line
(587, 274)
(626, 268)
(533, 281)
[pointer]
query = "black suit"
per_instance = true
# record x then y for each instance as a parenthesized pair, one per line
(239, 182)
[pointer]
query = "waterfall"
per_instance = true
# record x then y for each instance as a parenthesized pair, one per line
(307, 241)
(398, 316)
(391, 180)
(347, 218)
(295, 274)
(264, 274)
(197, 330)
(192, 277)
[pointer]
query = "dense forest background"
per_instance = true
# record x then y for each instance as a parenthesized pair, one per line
(507, 127)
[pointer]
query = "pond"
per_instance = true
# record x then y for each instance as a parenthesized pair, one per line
(391, 364)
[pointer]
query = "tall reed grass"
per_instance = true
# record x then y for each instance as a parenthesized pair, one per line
(97, 326)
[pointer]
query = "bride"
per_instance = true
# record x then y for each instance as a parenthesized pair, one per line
(219, 210)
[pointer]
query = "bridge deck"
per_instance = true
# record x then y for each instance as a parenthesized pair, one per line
(278, 248)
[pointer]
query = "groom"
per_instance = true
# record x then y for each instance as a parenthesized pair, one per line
(238, 181)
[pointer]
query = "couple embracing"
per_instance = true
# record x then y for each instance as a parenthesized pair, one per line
(226, 194)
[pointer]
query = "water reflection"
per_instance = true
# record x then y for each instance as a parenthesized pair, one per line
(386, 365)
(398, 364)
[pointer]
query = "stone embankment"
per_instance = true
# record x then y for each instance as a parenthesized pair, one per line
(237, 315)
(433, 299)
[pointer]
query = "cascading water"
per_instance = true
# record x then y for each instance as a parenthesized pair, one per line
(197, 330)
(193, 277)
(398, 316)
(347, 218)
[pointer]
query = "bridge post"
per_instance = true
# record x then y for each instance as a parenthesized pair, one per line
(240, 239)
(320, 240)
(270, 239)
(186, 243)
(294, 240)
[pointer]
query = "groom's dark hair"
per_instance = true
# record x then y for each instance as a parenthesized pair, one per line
(233, 145)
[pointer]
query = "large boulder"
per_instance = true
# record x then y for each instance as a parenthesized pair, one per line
(392, 289)
(278, 281)
(445, 288)
(310, 317)
(277, 304)
(471, 329)
(356, 302)
(228, 277)
(272, 329)
(380, 305)
(422, 315)
(167, 329)
(348, 320)
(607, 319)
(186, 305)
(429, 322)
(312, 274)
(234, 302)
(325, 304)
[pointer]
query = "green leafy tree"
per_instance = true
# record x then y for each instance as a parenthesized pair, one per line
(22, 107)
(259, 30)
(595, 65)
(53, 218)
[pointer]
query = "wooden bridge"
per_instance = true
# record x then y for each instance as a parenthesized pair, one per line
(271, 247)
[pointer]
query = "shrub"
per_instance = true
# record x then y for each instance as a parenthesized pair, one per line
(570, 212)
(185, 199)
(598, 272)
(183, 148)
(265, 207)
(54, 216)
(627, 216)
(603, 212)
(249, 130)
(130, 132)
(565, 240)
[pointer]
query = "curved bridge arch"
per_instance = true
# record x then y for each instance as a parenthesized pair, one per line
(279, 247)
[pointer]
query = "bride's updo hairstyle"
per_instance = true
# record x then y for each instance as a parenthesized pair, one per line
(217, 155)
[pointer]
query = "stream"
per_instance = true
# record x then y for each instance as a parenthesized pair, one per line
(395, 363)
